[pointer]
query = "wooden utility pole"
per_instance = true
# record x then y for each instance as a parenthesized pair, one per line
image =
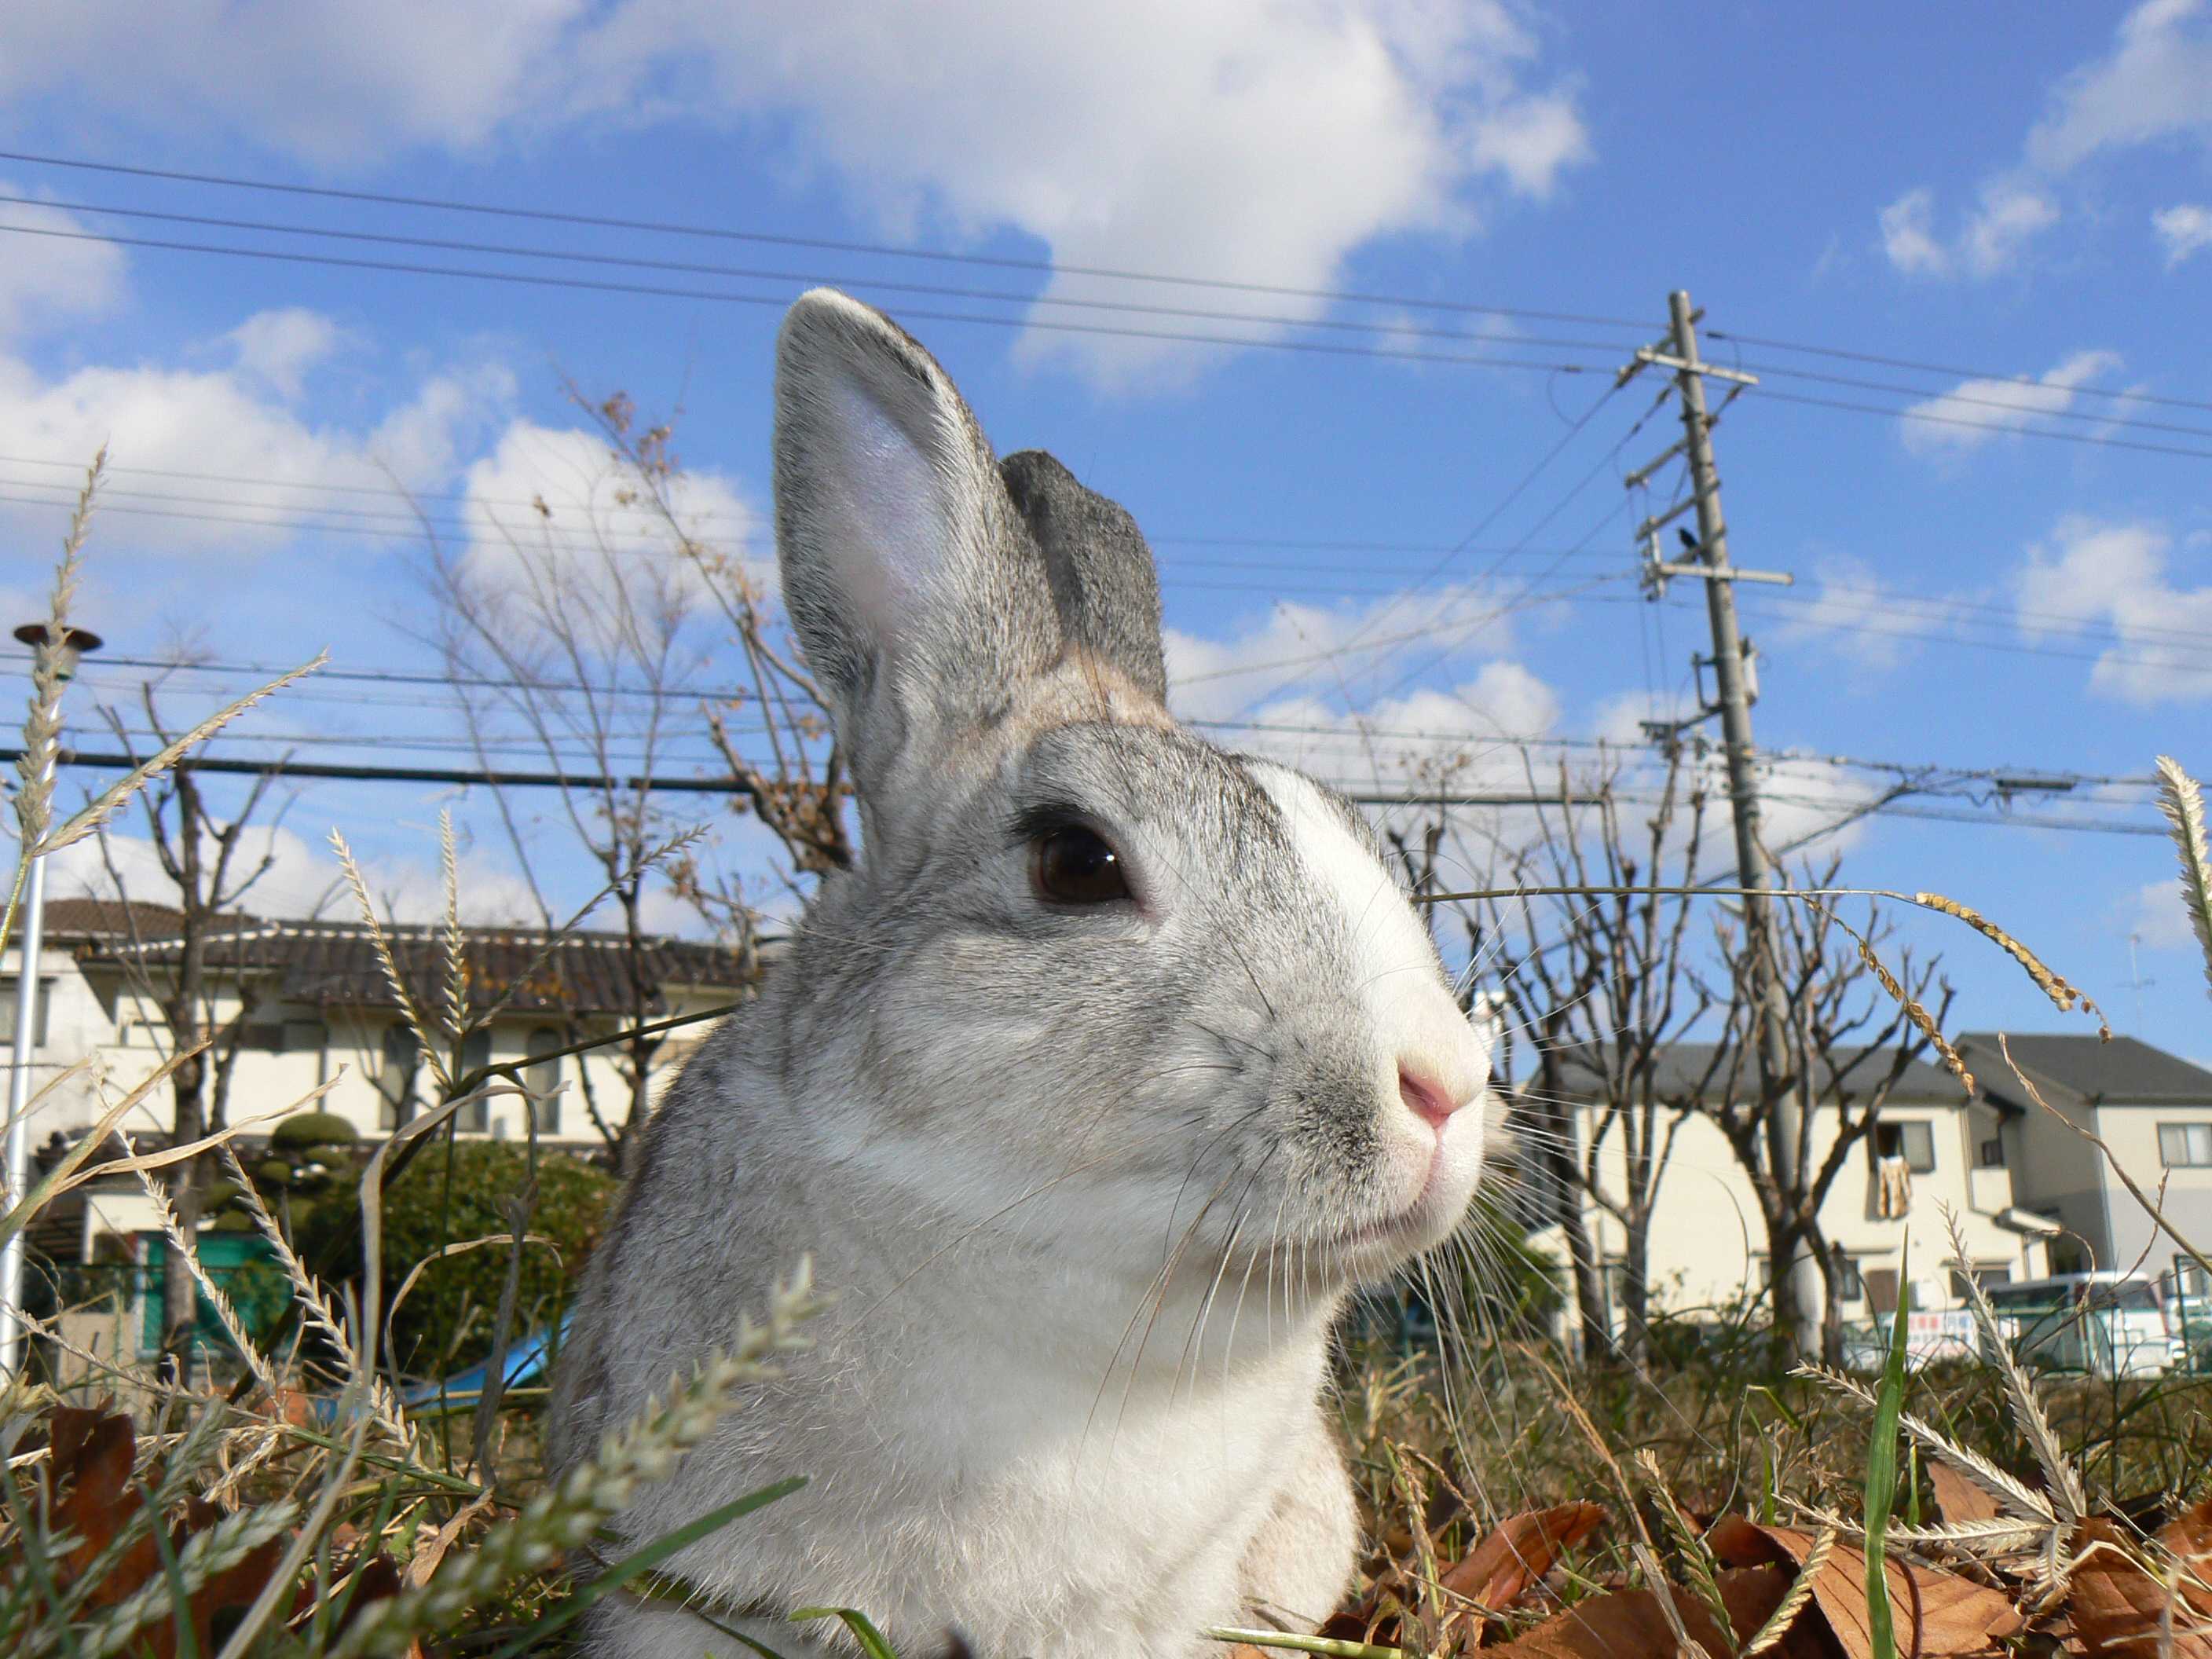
(1783, 1093)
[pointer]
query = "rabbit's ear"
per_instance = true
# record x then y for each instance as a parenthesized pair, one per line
(908, 577)
(1104, 585)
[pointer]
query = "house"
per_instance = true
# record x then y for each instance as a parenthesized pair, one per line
(1883, 1214)
(2152, 1109)
(308, 1021)
(309, 1006)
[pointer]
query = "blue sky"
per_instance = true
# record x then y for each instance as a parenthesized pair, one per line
(2015, 196)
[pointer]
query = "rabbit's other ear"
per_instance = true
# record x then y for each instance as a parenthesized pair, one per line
(1104, 585)
(907, 576)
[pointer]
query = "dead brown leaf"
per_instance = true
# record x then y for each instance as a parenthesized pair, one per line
(1935, 1613)
(92, 1491)
(1496, 1573)
(1520, 1550)
(1959, 1499)
(1630, 1624)
(2123, 1611)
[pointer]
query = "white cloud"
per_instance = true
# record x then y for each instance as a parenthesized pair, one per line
(1848, 615)
(2009, 215)
(2116, 574)
(336, 84)
(303, 880)
(2187, 230)
(2159, 917)
(1907, 238)
(2151, 86)
(1252, 140)
(46, 279)
(1256, 140)
(1984, 410)
(552, 501)
(242, 421)
(1465, 737)
(279, 348)
(1337, 647)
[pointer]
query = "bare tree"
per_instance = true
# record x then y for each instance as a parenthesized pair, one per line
(1851, 1040)
(209, 869)
(582, 635)
(1598, 983)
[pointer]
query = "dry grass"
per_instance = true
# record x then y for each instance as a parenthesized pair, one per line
(244, 1520)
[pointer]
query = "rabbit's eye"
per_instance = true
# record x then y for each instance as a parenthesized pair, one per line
(1074, 865)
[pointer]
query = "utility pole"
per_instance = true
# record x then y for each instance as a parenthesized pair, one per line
(1783, 1094)
(66, 649)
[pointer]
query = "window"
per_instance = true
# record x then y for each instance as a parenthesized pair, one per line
(38, 1022)
(544, 1076)
(1850, 1284)
(2190, 1279)
(1991, 1154)
(1988, 1274)
(1914, 1142)
(1881, 1290)
(401, 1064)
(2184, 1146)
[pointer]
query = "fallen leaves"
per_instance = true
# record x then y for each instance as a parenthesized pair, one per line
(94, 1497)
(2123, 1609)
(1935, 1612)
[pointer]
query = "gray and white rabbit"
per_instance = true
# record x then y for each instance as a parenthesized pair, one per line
(1091, 1093)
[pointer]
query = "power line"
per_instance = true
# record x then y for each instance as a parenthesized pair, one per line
(699, 268)
(2103, 418)
(1930, 419)
(515, 779)
(1881, 360)
(1384, 330)
(778, 240)
(528, 279)
(303, 486)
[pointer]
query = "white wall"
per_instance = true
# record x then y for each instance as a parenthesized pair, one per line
(2132, 1131)
(1708, 1242)
(126, 1040)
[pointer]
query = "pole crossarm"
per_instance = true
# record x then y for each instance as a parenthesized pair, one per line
(1732, 573)
(1692, 366)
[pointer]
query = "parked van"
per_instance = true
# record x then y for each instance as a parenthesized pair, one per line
(2113, 1324)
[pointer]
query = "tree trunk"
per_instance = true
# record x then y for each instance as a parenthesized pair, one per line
(1793, 1325)
(179, 1295)
(1560, 1146)
(1636, 1289)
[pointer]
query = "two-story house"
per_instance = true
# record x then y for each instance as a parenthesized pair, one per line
(1707, 1254)
(2154, 1113)
(306, 1004)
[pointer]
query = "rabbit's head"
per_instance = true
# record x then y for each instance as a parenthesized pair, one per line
(1097, 986)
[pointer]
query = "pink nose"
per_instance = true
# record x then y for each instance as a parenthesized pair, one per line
(1425, 1098)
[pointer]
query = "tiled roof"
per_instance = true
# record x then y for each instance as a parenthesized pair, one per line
(2123, 1069)
(99, 918)
(335, 964)
(1679, 1068)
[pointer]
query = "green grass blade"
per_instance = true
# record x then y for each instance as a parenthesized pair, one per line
(863, 1628)
(1881, 1480)
(644, 1559)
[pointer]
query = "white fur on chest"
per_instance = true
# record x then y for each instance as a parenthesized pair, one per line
(1020, 1492)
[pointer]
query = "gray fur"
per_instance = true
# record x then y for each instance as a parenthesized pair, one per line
(1103, 582)
(1090, 1185)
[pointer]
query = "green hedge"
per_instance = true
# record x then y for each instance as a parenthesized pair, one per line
(460, 1191)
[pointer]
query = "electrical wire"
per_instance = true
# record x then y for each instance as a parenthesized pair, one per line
(846, 281)
(777, 240)
(530, 279)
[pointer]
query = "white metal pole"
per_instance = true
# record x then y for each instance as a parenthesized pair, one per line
(28, 945)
